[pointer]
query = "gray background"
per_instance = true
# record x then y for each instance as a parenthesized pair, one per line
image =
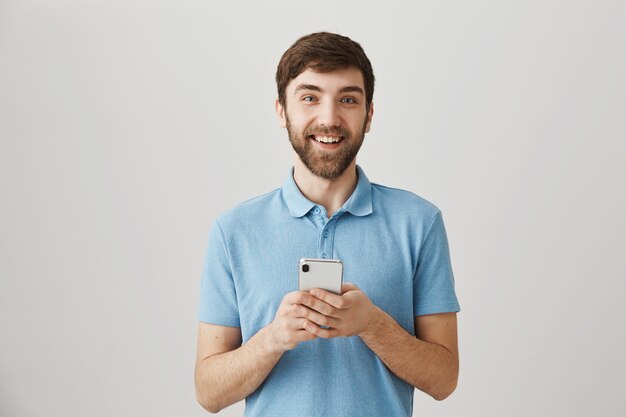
(127, 126)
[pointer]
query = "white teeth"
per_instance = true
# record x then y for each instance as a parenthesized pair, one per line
(327, 139)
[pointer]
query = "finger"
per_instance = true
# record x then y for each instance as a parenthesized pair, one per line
(321, 306)
(303, 335)
(314, 316)
(348, 286)
(300, 297)
(296, 323)
(295, 297)
(319, 332)
(328, 297)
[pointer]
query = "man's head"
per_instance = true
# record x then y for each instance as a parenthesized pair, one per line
(324, 52)
(325, 89)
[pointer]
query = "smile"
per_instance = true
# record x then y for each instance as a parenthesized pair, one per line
(327, 139)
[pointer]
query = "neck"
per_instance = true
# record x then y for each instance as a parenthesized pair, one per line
(329, 193)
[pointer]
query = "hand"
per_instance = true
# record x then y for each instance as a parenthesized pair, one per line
(287, 329)
(348, 314)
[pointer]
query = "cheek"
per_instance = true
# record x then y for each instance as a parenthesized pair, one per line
(300, 120)
(357, 123)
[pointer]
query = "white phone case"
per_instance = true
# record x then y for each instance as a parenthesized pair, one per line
(320, 273)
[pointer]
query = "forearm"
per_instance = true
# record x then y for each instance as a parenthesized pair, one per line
(427, 366)
(225, 378)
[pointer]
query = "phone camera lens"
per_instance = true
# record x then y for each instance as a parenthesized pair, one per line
(305, 268)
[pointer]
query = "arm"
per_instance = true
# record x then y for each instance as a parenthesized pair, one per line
(227, 371)
(429, 361)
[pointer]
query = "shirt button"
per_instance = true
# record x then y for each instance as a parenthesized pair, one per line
(326, 234)
(317, 209)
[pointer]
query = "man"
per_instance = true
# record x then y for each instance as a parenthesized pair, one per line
(393, 328)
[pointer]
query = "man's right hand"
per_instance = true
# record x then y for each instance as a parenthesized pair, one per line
(287, 329)
(228, 371)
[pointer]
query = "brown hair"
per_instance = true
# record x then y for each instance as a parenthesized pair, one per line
(323, 52)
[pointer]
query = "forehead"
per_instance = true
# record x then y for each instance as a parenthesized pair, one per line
(329, 81)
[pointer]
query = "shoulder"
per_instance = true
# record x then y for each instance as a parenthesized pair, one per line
(402, 202)
(250, 211)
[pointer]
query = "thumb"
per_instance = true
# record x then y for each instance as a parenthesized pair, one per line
(348, 286)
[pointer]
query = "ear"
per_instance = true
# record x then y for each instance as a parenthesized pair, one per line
(280, 113)
(370, 114)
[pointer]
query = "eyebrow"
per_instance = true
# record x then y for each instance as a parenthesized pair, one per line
(346, 89)
(307, 87)
(352, 89)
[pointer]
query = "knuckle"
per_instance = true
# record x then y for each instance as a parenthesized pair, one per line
(293, 297)
(325, 334)
(281, 313)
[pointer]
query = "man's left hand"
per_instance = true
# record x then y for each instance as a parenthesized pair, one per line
(348, 314)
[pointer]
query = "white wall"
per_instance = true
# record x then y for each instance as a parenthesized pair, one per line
(127, 126)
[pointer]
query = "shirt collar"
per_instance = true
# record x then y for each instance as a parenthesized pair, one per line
(359, 203)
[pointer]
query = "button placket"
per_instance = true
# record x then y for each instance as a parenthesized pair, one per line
(326, 240)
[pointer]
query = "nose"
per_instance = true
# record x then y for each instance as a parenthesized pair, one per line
(329, 114)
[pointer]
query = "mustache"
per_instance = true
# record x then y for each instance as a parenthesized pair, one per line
(328, 131)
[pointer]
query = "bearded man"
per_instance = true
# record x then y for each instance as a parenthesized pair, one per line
(311, 353)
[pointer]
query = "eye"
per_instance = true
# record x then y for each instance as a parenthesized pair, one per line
(308, 99)
(348, 100)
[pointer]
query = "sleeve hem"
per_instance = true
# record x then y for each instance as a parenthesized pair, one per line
(438, 308)
(219, 320)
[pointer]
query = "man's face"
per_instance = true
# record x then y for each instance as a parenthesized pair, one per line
(326, 119)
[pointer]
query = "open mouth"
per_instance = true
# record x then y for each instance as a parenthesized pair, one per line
(327, 141)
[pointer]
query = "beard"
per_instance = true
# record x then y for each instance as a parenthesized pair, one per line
(328, 164)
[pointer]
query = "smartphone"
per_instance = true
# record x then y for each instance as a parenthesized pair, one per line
(326, 274)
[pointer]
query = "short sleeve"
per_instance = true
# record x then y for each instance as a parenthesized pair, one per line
(433, 283)
(218, 296)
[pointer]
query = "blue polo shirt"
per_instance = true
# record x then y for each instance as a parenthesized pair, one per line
(393, 246)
